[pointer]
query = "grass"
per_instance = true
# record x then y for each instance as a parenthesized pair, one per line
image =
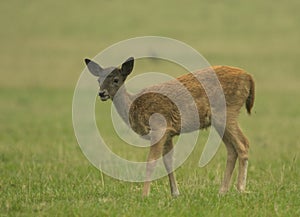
(42, 169)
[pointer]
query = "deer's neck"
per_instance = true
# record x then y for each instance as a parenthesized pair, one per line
(122, 102)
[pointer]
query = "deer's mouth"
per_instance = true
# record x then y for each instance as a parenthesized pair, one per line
(104, 98)
(104, 95)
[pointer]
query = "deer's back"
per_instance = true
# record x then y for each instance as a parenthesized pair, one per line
(187, 93)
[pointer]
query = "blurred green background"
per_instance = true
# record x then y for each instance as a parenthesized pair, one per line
(43, 42)
(42, 47)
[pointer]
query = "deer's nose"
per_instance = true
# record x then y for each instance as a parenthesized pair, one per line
(102, 93)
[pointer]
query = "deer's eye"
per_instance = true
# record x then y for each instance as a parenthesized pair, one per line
(116, 80)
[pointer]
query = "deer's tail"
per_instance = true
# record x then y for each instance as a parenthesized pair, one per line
(251, 96)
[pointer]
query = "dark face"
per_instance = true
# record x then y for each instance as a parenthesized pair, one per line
(110, 84)
(110, 79)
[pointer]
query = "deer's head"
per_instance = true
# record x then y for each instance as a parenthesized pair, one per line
(110, 79)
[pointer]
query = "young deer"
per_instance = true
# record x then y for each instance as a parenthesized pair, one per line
(238, 88)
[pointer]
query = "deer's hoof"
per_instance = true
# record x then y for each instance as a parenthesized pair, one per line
(175, 194)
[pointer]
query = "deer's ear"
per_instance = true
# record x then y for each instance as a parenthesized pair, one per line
(93, 67)
(127, 66)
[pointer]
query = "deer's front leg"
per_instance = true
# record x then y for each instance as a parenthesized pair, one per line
(168, 161)
(154, 154)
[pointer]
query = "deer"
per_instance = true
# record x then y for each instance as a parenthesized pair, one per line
(238, 87)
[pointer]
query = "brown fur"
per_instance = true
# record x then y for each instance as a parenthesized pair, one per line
(237, 85)
(238, 88)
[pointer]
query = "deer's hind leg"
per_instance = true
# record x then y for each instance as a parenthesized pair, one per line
(230, 163)
(237, 147)
(243, 160)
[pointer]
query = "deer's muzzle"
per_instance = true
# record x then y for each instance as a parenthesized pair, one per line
(103, 95)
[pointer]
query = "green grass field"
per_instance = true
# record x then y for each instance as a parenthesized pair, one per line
(43, 43)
